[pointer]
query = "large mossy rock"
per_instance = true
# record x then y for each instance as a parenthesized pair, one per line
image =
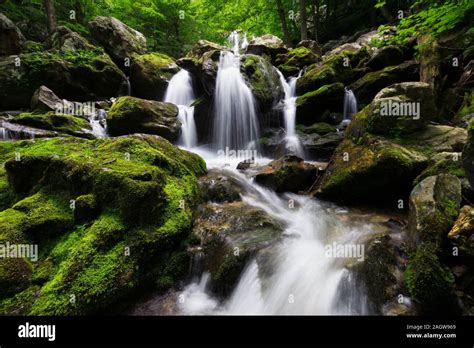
(429, 281)
(386, 56)
(367, 87)
(263, 79)
(268, 45)
(11, 38)
(65, 39)
(150, 74)
(202, 61)
(73, 75)
(398, 110)
(434, 206)
(230, 234)
(130, 115)
(373, 170)
(52, 121)
(117, 38)
(312, 107)
(337, 66)
(144, 191)
(287, 174)
(296, 59)
(468, 155)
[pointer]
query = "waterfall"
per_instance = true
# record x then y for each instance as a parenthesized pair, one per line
(237, 41)
(235, 118)
(11, 131)
(350, 105)
(292, 141)
(303, 279)
(128, 86)
(180, 92)
(98, 122)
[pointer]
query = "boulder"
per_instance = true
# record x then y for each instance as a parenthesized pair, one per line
(44, 99)
(369, 171)
(80, 76)
(287, 174)
(230, 234)
(310, 44)
(117, 38)
(65, 39)
(400, 109)
(11, 38)
(150, 74)
(296, 59)
(386, 56)
(130, 115)
(370, 84)
(462, 235)
(60, 123)
(313, 106)
(434, 206)
(263, 80)
(216, 186)
(268, 44)
(138, 213)
(321, 147)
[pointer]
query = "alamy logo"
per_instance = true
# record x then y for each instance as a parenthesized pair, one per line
(37, 331)
(248, 155)
(74, 108)
(336, 250)
(29, 251)
(394, 108)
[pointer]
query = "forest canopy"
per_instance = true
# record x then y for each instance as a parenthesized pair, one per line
(173, 26)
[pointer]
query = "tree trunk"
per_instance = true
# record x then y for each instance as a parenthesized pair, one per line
(284, 25)
(303, 20)
(51, 16)
(316, 20)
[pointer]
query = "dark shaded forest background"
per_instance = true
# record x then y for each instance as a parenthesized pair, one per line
(173, 26)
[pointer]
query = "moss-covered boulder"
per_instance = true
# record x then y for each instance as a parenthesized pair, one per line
(73, 75)
(263, 79)
(434, 206)
(150, 74)
(202, 62)
(429, 281)
(287, 174)
(371, 170)
(64, 39)
(142, 191)
(11, 38)
(230, 234)
(312, 107)
(117, 38)
(268, 45)
(61, 123)
(400, 109)
(367, 87)
(337, 66)
(296, 59)
(130, 115)
(390, 55)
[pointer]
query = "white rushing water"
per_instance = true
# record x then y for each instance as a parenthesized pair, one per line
(235, 117)
(350, 105)
(98, 122)
(292, 140)
(180, 92)
(303, 278)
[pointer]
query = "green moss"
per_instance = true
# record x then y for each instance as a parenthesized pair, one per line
(21, 303)
(67, 124)
(428, 280)
(444, 166)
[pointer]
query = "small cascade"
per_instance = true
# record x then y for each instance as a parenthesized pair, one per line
(128, 85)
(292, 141)
(350, 105)
(98, 122)
(11, 131)
(237, 41)
(236, 124)
(180, 92)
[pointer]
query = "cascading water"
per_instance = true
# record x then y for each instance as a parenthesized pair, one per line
(235, 117)
(350, 105)
(180, 92)
(292, 141)
(304, 279)
(98, 122)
